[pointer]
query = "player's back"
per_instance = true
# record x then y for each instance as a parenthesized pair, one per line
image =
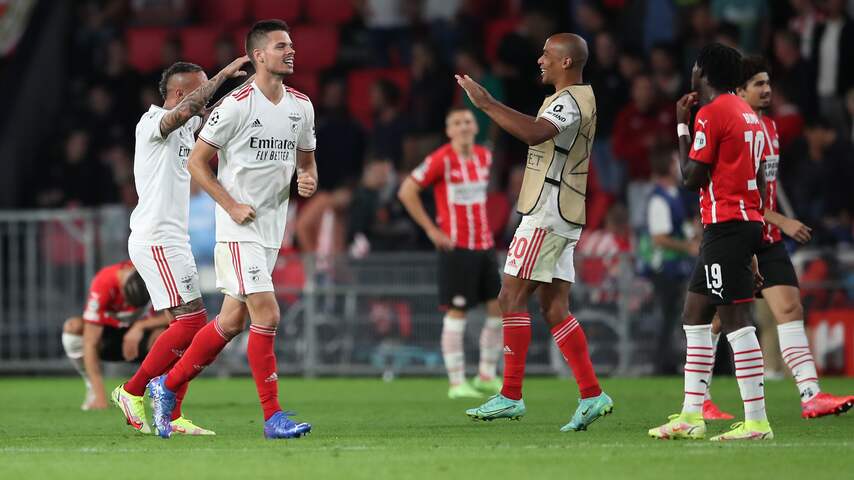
(106, 303)
(162, 181)
(729, 138)
(257, 142)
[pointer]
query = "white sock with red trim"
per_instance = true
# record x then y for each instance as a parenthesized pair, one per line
(749, 371)
(452, 349)
(699, 360)
(715, 338)
(796, 353)
(491, 345)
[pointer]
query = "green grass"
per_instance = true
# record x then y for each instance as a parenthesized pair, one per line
(365, 428)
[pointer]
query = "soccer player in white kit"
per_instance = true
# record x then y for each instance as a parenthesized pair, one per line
(262, 134)
(159, 244)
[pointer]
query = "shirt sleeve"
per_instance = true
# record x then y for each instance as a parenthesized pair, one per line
(194, 123)
(148, 128)
(562, 112)
(658, 218)
(96, 303)
(307, 141)
(706, 133)
(221, 125)
(428, 172)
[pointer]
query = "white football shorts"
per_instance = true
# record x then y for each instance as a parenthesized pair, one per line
(243, 268)
(169, 272)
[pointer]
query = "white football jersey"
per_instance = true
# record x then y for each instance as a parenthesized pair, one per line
(162, 181)
(257, 144)
(565, 115)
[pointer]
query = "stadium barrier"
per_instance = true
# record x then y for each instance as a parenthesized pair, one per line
(376, 315)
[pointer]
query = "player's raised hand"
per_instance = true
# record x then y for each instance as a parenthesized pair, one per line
(233, 70)
(306, 184)
(477, 94)
(684, 106)
(242, 214)
(797, 230)
(440, 240)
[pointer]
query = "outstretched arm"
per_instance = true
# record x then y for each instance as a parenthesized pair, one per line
(194, 103)
(531, 130)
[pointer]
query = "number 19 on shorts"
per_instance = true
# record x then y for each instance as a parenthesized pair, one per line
(714, 279)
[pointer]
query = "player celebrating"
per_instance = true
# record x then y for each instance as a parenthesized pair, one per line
(468, 272)
(552, 202)
(780, 283)
(159, 244)
(114, 327)
(262, 133)
(722, 163)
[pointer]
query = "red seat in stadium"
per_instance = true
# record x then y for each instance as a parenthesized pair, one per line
(305, 82)
(223, 12)
(144, 45)
(333, 12)
(197, 45)
(359, 83)
(316, 46)
(495, 31)
(287, 10)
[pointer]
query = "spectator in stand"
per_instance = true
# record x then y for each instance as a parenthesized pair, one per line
(390, 127)
(342, 137)
(793, 75)
(225, 53)
(590, 19)
(355, 46)
(74, 178)
(378, 221)
(160, 12)
(100, 121)
(321, 226)
(699, 32)
(116, 75)
(819, 181)
(640, 126)
(610, 87)
(667, 252)
(665, 72)
(118, 161)
(806, 17)
(727, 34)
(467, 60)
(435, 89)
(750, 18)
(631, 63)
(832, 51)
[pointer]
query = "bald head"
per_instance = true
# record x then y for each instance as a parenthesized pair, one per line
(572, 46)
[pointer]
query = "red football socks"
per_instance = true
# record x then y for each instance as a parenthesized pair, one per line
(262, 361)
(517, 337)
(167, 349)
(206, 345)
(572, 343)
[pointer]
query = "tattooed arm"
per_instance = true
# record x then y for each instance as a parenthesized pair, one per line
(194, 103)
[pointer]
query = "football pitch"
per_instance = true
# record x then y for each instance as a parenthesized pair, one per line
(366, 428)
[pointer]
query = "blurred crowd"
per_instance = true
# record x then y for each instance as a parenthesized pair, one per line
(641, 56)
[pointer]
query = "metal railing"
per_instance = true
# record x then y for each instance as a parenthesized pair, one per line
(372, 316)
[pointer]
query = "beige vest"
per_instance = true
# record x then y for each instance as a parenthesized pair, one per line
(573, 176)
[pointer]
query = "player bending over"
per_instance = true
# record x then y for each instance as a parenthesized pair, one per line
(468, 272)
(116, 326)
(262, 134)
(722, 164)
(159, 244)
(780, 283)
(552, 204)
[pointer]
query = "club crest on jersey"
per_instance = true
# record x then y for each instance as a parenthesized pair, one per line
(699, 141)
(295, 117)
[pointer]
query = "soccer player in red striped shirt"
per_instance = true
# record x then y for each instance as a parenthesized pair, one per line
(468, 271)
(723, 163)
(780, 283)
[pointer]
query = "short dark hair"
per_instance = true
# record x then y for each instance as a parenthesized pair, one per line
(458, 109)
(174, 69)
(721, 65)
(257, 35)
(753, 65)
(135, 293)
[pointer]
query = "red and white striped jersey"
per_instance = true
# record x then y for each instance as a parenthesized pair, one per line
(459, 188)
(728, 137)
(771, 161)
